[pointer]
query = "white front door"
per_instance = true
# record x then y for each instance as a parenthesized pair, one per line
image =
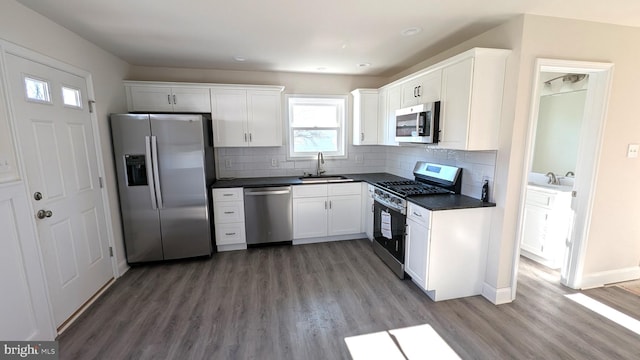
(55, 136)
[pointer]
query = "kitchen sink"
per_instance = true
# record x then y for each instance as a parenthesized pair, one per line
(324, 179)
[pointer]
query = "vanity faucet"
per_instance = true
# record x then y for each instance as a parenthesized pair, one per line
(553, 180)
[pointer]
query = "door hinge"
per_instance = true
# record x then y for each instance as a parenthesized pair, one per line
(100, 182)
(110, 251)
(91, 104)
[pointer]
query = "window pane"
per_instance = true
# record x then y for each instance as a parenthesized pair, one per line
(71, 97)
(315, 140)
(37, 90)
(314, 116)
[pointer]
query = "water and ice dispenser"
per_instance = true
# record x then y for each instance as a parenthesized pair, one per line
(136, 168)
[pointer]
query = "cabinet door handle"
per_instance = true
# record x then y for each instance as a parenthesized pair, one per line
(169, 99)
(414, 92)
(419, 92)
(245, 137)
(325, 204)
(229, 212)
(329, 204)
(416, 214)
(227, 194)
(397, 245)
(250, 137)
(229, 234)
(174, 100)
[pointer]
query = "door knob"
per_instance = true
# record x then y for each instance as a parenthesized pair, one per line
(44, 214)
(37, 195)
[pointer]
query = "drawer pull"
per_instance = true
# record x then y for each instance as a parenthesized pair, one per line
(229, 212)
(229, 234)
(227, 194)
(416, 214)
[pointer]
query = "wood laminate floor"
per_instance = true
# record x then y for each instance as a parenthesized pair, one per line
(300, 302)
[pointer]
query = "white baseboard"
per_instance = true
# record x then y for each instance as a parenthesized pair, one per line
(232, 247)
(123, 267)
(496, 296)
(609, 277)
(329, 239)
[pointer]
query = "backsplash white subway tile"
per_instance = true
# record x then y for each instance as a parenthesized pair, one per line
(397, 160)
(476, 165)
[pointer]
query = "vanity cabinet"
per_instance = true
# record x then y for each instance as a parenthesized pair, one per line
(228, 218)
(471, 100)
(247, 116)
(326, 210)
(446, 250)
(546, 225)
(365, 116)
(423, 89)
(167, 97)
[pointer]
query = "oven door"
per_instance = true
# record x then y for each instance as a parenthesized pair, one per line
(390, 237)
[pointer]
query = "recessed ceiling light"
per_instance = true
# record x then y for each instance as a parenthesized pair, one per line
(240, 58)
(411, 31)
(363, 65)
(321, 68)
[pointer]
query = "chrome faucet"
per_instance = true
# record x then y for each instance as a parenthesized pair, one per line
(553, 180)
(570, 174)
(319, 170)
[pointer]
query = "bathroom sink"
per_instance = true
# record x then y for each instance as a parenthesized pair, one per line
(561, 188)
(323, 179)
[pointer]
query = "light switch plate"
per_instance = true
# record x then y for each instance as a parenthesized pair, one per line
(632, 150)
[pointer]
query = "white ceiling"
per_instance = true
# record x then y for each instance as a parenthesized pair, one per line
(301, 35)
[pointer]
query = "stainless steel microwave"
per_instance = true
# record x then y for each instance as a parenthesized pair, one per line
(418, 124)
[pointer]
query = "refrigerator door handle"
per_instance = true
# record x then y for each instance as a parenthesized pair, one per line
(156, 173)
(147, 158)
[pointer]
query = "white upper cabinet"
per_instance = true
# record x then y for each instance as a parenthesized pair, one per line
(469, 87)
(471, 102)
(423, 89)
(390, 98)
(365, 116)
(247, 116)
(167, 97)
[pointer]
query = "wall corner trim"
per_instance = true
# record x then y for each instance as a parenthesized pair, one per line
(496, 296)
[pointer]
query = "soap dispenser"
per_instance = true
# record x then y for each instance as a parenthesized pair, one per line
(485, 191)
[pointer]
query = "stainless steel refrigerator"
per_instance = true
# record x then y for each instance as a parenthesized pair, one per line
(162, 181)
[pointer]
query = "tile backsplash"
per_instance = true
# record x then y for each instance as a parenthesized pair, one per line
(397, 160)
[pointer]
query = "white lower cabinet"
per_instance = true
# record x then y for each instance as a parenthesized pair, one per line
(326, 210)
(546, 225)
(228, 217)
(446, 250)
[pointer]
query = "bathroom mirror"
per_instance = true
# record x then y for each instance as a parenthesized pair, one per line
(560, 114)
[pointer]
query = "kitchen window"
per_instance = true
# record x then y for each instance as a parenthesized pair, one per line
(316, 124)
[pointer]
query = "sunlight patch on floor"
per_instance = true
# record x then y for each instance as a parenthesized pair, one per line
(415, 342)
(610, 313)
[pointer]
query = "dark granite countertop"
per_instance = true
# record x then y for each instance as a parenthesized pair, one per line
(370, 178)
(448, 202)
(434, 202)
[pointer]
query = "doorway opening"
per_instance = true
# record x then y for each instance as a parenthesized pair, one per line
(567, 119)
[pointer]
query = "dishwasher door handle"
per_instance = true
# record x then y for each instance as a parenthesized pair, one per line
(277, 192)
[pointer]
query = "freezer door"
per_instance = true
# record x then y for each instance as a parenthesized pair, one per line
(180, 186)
(131, 136)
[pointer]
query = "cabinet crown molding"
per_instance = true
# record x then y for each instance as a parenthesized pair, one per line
(202, 85)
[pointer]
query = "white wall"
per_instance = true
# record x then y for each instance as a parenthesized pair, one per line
(30, 30)
(613, 241)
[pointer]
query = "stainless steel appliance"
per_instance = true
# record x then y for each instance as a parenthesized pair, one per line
(418, 124)
(268, 214)
(390, 208)
(162, 182)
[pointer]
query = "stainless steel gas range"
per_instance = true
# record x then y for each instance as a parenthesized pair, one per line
(390, 207)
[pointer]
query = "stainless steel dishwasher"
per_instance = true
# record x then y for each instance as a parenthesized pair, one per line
(268, 214)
